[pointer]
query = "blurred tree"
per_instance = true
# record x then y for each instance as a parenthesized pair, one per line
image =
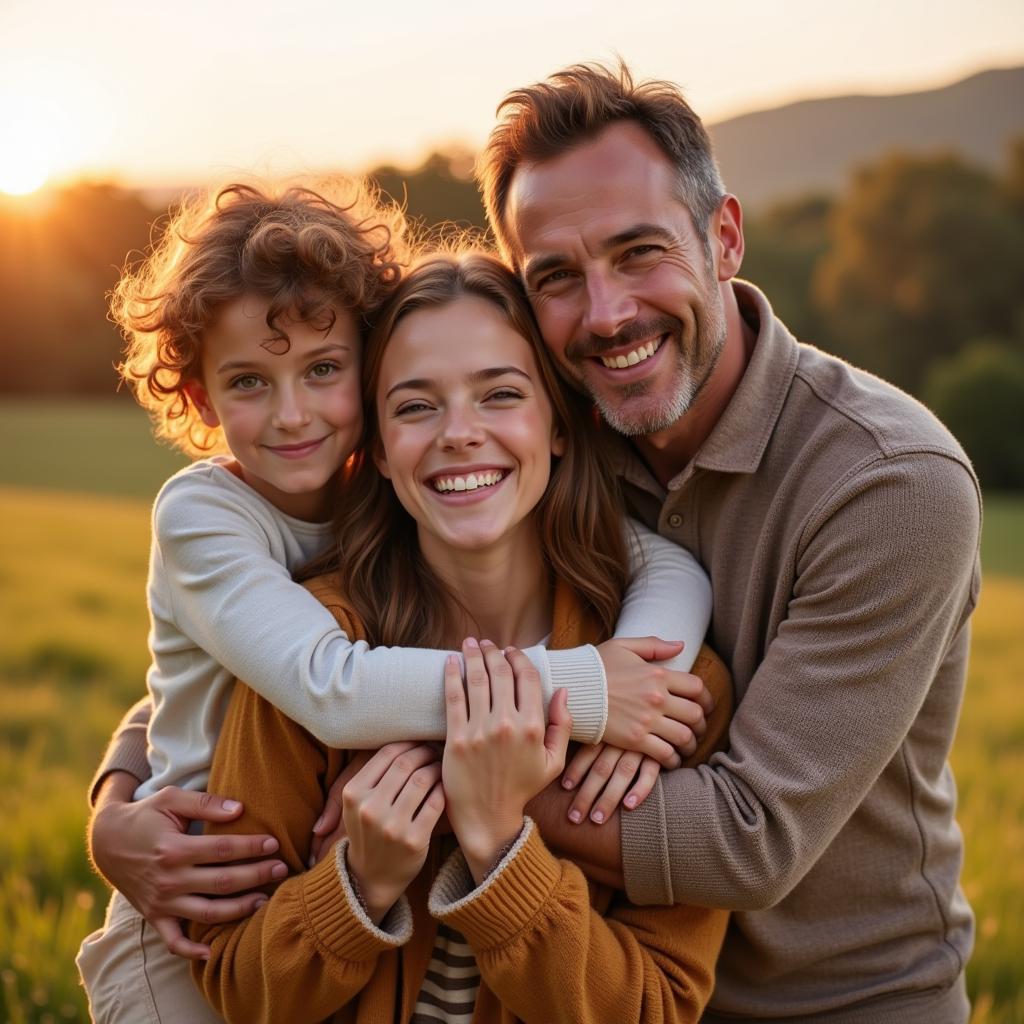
(925, 255)
(58, 261)
(783, 246)
(979, 395)
(439, 191)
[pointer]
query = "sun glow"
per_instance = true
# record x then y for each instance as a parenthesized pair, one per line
(30, 138)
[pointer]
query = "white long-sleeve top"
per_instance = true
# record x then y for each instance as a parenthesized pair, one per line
(223, 604)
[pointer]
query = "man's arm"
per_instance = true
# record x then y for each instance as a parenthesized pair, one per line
(125, 753)
(886, 580)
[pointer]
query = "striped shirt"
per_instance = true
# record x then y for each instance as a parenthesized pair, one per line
(450, 988)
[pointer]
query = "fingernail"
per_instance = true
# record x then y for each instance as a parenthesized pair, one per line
(230, 805)
(630, 801)
(279, 871)
(311, 863)
(567, 783)
(597, 816)
(269, 845)
(486, 643)
(471, 641)
(453, 659)
(575, 817)
(319, 822)
(260, 903)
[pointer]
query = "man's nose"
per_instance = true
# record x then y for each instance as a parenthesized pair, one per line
(609, 306)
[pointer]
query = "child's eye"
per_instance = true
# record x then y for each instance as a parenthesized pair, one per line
(324, 370)
(246, 382)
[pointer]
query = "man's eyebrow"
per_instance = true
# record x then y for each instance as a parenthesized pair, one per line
(478, 376)
(541, 264)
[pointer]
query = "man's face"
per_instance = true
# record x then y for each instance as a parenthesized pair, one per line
(618, 277)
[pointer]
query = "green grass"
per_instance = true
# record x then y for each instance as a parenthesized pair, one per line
(73, 654)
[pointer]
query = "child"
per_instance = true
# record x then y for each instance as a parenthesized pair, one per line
(245, 332)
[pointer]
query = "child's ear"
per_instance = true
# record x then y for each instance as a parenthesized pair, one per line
(199, 397)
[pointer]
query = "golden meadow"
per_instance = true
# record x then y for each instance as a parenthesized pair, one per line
(76, 479)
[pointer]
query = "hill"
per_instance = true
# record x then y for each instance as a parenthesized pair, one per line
(811, 146)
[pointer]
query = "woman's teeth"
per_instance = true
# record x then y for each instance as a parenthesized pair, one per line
(468, 483)
(638, 355)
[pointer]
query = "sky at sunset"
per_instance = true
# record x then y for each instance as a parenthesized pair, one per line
(160, 94)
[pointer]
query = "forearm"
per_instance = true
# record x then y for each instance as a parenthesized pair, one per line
(125, 753)
(650, 966)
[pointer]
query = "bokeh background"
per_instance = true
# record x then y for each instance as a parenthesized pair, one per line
(878, 149)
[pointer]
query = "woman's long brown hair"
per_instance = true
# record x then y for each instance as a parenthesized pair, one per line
(580, 516)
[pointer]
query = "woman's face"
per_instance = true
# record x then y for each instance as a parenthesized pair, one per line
(466, 427)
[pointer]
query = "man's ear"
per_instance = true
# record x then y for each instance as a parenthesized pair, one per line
(198, 396)
(726, 230)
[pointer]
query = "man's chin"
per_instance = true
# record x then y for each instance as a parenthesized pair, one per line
(635, 417)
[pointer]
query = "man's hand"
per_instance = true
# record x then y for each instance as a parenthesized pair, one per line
(144, 851)
(652, 710)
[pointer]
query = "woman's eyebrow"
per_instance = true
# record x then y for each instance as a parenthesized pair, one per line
(424, 383)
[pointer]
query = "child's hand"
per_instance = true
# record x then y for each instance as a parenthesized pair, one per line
(601, 774)
(498, 753)
(651, 709)
(390, 807)
(144, 850)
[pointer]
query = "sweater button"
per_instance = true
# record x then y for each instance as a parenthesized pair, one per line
(675, 520)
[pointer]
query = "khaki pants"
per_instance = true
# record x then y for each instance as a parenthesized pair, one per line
(131, 978)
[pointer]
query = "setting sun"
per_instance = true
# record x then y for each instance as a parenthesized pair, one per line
(31, 133)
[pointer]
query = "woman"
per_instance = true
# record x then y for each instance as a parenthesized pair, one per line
(483, 506)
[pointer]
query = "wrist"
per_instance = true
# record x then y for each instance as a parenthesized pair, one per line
(484, 848)
(375, 900)
(117, 787)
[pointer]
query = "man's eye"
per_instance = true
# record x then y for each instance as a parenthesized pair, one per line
(246, 382)
(554, 278)
(642, 250)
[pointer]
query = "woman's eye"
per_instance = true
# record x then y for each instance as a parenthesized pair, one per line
(504, 395)
(246, 382)
(411, 407)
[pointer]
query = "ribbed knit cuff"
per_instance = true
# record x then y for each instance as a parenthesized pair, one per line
(126, 753)
(645, 861)
(338, 919)
(581, 672)
(506, 901)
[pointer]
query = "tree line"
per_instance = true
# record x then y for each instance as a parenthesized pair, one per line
(913, 272)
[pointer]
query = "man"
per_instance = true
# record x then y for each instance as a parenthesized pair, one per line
(839, 523)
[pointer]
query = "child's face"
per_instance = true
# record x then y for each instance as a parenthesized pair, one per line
(466, 426)
(291, 414)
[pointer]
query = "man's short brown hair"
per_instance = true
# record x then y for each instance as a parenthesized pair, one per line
(544, 120)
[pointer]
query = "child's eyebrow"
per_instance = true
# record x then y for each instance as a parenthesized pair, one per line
(333, 348)
(424, 383)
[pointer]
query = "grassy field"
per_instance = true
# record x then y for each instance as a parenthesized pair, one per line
(72, 656)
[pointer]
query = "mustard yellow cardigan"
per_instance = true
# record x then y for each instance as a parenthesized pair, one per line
(551, 946)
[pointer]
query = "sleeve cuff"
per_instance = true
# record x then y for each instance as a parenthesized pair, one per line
(126, 753)
(645, 862)
(581, 672)
(508, 899)
(341, 924)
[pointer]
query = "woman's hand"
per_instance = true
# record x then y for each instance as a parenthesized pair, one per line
(390, 807)
(601, 774)
(144, 850)
(498, 753)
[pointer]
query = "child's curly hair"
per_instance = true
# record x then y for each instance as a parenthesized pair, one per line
(303, 251)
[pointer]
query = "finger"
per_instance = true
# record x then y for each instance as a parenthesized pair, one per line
(456, 712)
(649, 772)
(620, 781)
(321, 845)
(684, 710)
(651, 648)
(503, 683)
(169, 929)
(478, 683)
(685, 684)
(416, 790)
(207, 911)
(528, 695)
(238, 878)
(369, 776)
(592, 785)
(663, 752)
(187, 850)
(430, 812)
(401, 770)
(677, 735)
(580, 764)
(556, 737)
(197, 806)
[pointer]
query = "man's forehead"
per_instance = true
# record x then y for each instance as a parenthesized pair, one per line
(602, 185)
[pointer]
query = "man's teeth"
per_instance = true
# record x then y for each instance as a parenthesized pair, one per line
(468, 483)
(638, 355)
